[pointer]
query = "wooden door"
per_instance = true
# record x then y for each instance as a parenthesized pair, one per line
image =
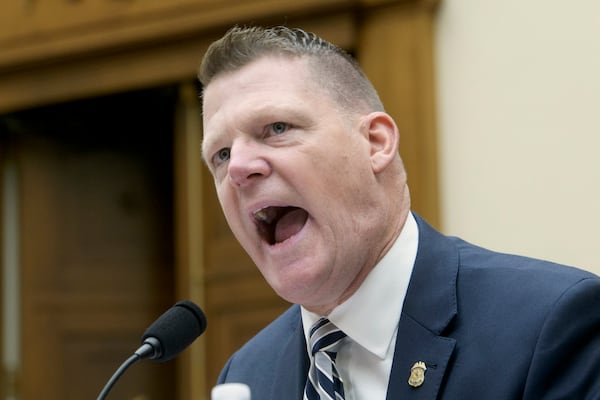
(95, 189)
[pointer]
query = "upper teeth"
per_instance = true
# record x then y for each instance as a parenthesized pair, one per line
(266, 214)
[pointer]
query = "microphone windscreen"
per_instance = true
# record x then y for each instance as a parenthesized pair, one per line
(176, 329)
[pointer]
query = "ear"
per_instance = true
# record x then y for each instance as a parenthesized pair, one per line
(383, 136)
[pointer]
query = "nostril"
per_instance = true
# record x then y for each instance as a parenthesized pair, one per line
(254, 175)
(244, 172)
(243, 179)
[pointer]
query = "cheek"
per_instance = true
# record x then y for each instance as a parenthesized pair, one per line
(229, 207)
(222, 197)
(348, 179)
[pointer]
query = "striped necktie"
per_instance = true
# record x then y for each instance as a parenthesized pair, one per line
(323, 380)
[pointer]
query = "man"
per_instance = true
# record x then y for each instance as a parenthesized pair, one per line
(306, 167)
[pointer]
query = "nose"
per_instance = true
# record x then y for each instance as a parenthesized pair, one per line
(246, 163)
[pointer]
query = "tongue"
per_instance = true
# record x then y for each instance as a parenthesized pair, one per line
(290, 224)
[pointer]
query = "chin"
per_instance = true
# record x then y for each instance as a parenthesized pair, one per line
(295, 290)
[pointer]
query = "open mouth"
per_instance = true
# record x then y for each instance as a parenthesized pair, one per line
(277, 224)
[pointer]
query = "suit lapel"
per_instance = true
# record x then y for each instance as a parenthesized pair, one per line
(292, 368)
(429, 307)
(418, 344)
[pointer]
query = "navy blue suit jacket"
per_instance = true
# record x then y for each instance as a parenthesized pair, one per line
(487, 325)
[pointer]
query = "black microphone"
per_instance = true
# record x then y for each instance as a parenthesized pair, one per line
(171, 333)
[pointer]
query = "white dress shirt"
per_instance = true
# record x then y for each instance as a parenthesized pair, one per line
(370, 319)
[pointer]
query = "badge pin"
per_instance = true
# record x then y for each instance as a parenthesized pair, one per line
(417, 374)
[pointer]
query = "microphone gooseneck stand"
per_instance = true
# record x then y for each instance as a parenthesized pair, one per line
(113, 379)
(170, 334)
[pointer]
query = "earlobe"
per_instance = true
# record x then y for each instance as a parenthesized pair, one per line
(383, 138)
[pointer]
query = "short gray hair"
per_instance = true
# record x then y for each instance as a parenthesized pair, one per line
(332, 67)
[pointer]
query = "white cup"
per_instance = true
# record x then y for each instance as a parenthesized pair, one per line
(230, 391)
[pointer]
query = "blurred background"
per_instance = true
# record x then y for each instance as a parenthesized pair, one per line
(108, 217)
(518, 111)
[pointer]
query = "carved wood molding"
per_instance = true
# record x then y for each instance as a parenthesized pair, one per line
(37, 31)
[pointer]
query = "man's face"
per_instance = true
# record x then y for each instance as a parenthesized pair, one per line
(294, 178)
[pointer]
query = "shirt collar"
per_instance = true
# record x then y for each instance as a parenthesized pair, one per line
(370, 316)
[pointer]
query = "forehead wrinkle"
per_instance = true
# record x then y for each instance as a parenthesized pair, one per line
(266, 113)
(249, 115)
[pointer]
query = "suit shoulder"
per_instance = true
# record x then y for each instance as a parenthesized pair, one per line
(282, 327)
(517, 292)
(477, 260)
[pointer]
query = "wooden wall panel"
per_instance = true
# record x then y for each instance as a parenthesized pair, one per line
(395, 50)
(190, 246)
(35, 30)
(162, 63)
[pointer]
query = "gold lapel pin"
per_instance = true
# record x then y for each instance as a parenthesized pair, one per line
(417, 374)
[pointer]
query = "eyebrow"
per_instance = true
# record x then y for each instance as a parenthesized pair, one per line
(271, 112)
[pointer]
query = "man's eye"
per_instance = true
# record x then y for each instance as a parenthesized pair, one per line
(279, 127)
(221, 156)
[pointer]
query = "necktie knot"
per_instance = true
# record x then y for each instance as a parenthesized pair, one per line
(325, 336)
(324, 381)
